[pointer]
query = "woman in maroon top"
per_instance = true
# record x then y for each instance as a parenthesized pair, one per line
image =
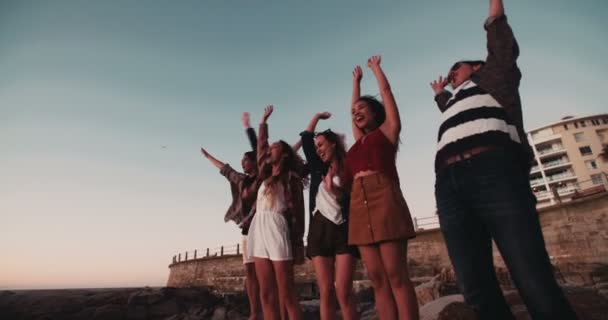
(380, 222)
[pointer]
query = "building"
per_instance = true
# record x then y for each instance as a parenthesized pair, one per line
(567, 158)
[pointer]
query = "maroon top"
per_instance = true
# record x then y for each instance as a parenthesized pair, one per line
(373, 152)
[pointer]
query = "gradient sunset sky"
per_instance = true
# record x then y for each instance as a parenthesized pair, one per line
(105, 104)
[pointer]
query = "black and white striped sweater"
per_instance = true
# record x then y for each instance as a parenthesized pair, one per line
(473, 118)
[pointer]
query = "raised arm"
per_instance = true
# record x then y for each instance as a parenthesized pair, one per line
(496, 8)
(308, 142)
(217, 163)
(392, 125)
(502, 47)
(357, 76)
(253, 140)
(262, 149)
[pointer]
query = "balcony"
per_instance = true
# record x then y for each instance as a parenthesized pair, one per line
(535, 169)
(561, 177)
(567, 190)
(556, 164)
(537, 182)
(542, 195)
(538, 139)
(555, 150)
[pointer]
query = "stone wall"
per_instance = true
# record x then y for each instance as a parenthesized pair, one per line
(576, 235)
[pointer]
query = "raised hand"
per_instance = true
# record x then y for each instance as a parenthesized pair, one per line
(323, 115)
(357, 74)
(245, 119)
(439, 84)
(267, 112)
(373, 62)
(205, 153)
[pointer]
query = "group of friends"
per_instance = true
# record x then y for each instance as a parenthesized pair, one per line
(357, 209)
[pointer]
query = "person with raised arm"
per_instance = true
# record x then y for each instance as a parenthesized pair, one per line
(327, 242)
(275, 238)
(380, 223)
(482, 188)
(244, 191)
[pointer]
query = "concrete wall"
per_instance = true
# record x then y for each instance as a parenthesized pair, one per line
(576, 235)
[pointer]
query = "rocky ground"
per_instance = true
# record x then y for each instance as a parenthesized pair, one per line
(439, 299)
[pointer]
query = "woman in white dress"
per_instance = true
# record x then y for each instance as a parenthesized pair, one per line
(275, 238)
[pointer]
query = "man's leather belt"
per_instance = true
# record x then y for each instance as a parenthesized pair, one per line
(466, 155)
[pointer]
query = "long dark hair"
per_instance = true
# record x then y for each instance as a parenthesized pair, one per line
(291, 165)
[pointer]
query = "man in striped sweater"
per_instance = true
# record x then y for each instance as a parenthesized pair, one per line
(482, 187)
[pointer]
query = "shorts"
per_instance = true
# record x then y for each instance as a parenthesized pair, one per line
(246, 258)
(327, 239)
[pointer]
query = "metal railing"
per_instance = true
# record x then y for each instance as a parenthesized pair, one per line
(423, 223)
(220, 251)
(555, 148)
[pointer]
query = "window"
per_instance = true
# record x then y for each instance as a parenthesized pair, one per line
(583, 124)
(597, 179)
(579, 136)
(585, 151)
(591, 165)
(605, 120)
(576, 124)
(595, 122)
(603, 135)
(566, 126)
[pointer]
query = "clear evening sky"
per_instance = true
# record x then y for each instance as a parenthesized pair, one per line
(91, 91)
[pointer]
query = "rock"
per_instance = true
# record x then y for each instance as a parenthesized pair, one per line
(431, 310)
(235, 315)
(457, 311)
(219, 313)
(436, 288)
(163, 309)
(109, 312)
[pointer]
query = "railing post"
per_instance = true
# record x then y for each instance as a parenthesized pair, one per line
(179, 257)
(207, 252)
(173, 259)
(221, 251)
(186, 259)
(415, 223)
(237, 248)
(195, 254)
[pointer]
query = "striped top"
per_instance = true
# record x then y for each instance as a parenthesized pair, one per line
(473, 118)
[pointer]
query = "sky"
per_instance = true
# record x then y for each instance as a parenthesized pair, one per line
(104, 106)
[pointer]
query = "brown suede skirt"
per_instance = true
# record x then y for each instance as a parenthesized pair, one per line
(378, 211)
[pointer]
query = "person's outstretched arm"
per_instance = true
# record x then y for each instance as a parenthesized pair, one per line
(392, 125)
(217, 163)
(496, 8)
(308, 142)
(262, 149)
(253, 139)
(357, 76)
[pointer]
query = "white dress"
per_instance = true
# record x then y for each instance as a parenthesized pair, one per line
(268, 236)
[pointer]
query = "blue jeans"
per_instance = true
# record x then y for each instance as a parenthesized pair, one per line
(489, 197)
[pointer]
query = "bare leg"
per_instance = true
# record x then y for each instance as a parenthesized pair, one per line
(253, 291)
(268, 289)
(324, 270)
(385, 303)
(394, 258)
(345, 267)
(284, 278)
